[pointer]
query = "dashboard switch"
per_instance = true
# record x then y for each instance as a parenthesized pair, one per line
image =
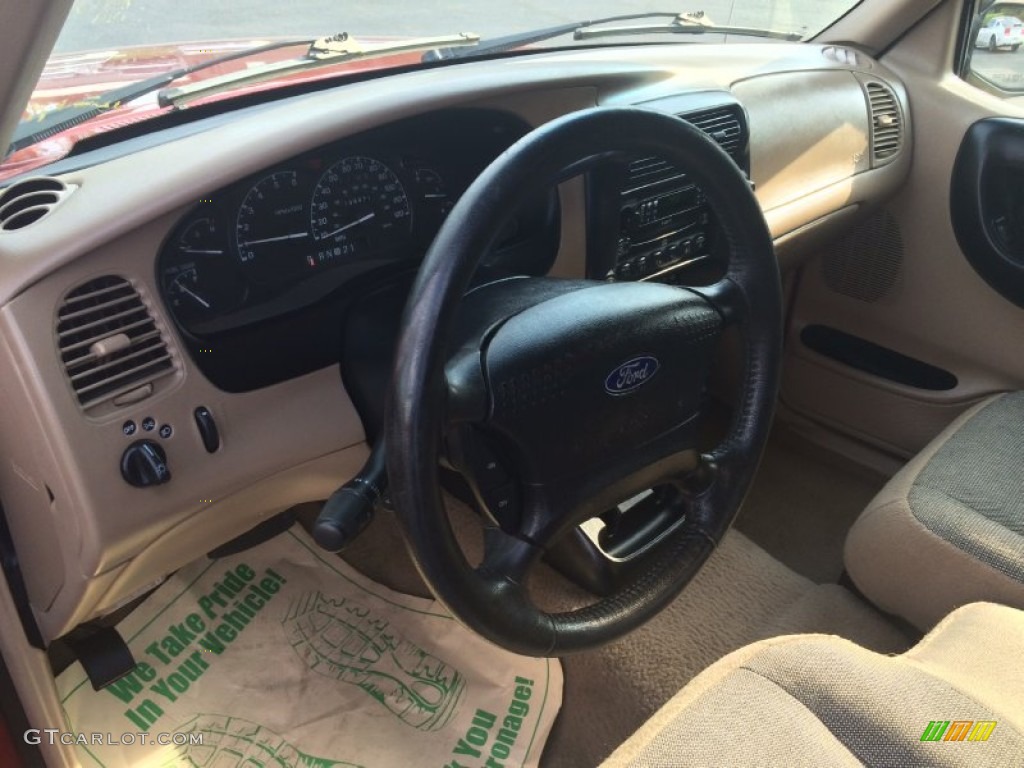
(144, 464)
(207, 429)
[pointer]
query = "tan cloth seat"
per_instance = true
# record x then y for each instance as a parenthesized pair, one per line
(948, 529)
(820, 700)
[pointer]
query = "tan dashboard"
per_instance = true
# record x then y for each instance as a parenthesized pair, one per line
(87, 540)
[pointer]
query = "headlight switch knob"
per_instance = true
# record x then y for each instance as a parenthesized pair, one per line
(144, 464)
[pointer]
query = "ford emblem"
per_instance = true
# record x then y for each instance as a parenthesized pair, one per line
(631, 375)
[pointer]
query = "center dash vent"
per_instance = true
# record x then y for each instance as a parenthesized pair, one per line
(109, 342)
(886, 122)
(26, 202)
(722, 124)
(647, 171)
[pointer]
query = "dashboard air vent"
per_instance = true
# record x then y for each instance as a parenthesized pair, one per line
(723, 125)
(26, 202)
(649, 170)
(108, 341)
(886, 124)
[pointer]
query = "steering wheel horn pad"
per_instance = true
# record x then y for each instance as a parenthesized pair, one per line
(593, 387)
(584, 377)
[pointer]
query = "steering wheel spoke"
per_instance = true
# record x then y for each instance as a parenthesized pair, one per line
(726, 297)
(506, 556)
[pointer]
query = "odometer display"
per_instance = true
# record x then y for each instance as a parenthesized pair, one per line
(359, 209)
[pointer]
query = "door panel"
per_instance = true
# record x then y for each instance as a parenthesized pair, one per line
(900, 280)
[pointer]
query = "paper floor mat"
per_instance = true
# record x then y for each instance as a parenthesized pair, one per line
(284, 656)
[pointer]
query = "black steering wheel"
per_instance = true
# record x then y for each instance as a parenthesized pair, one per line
(592, 389)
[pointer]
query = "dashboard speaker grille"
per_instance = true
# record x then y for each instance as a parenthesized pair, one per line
(886, 123)
(26, 202)
(108, 341)
(866, 264)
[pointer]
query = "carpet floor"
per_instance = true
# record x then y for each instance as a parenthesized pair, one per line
(803, 502)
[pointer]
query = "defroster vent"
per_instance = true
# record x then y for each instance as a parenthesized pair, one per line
(26, 202)
(108, 341)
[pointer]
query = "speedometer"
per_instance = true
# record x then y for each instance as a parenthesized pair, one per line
(359, 209)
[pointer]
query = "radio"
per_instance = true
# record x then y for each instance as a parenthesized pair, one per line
(660, 231)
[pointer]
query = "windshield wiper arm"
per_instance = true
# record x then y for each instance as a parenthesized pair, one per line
(680, 23)
(32, 132)
(685, 24)
(322, 52)
(508, 42)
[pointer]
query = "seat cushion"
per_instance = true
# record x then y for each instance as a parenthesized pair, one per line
(813, 700)
(948, 529)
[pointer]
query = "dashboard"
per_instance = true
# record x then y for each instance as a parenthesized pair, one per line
(306, 238)
(246, 272)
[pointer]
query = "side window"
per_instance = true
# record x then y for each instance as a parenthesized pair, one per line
(995, 34)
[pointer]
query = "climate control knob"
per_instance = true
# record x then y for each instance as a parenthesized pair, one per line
(144, 463)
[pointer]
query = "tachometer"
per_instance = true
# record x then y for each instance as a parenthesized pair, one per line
(272, 229)
(359, 208)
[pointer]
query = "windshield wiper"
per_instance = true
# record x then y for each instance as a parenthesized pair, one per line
(31, 132)
(695, 23)
(322, 52)
(686, 24)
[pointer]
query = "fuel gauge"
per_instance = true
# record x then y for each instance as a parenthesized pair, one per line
(198, 277)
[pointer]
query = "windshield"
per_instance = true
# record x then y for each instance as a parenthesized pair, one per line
(100, 23)
(119, 62)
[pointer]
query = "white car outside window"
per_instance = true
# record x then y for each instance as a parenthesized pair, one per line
(1001, 32)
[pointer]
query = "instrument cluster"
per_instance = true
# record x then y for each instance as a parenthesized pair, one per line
(342, 211)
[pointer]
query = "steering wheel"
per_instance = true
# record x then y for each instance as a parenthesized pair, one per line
(593, 389)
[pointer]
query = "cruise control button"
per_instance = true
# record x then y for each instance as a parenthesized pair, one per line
(503, 502)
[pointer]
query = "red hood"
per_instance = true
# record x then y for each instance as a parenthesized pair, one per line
(75, 77)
